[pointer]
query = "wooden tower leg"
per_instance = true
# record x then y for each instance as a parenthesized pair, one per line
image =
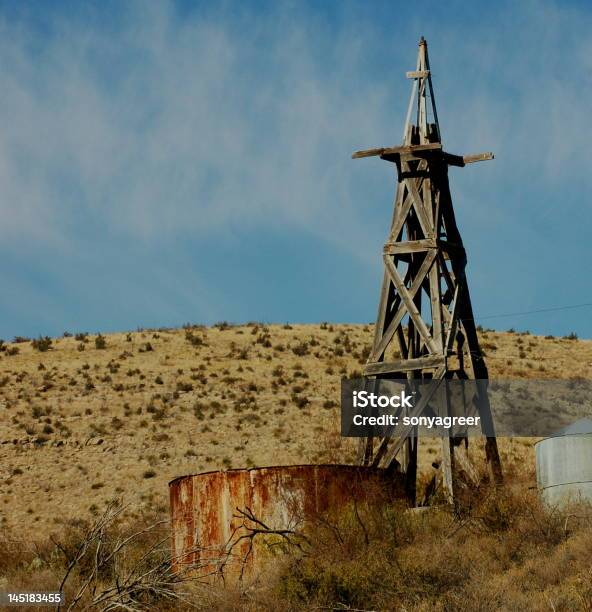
(410, 448)
(447, 468)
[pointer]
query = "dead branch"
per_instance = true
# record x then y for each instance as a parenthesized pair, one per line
(251, 528)
(134, 588)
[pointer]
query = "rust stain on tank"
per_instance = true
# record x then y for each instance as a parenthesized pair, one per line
(207, 523)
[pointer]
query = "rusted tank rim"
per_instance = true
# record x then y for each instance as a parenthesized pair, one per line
(364, 468)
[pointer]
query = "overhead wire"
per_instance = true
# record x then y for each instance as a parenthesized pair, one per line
(537, 311)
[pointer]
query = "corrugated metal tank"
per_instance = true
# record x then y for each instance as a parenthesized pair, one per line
(564, 465)
(206, 519)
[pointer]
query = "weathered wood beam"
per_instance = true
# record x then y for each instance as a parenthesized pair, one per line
(382, 307)
(463, 160)
(381, 343)
(417, 74)
(412, 149)
(393, 247)
(447, 275)
(390, 453)
(431, 362)
(411, 307)
(411, 152)
(400, 215)
(409, 246)
(477, 157)
(423, 217)
(453, 323)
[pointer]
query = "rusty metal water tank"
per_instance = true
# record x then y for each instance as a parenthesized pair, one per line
(210, 511)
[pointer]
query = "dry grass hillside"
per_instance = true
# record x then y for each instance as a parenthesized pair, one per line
(89, 418)
(91, 422)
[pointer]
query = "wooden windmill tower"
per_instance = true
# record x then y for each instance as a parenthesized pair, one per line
(425, 327)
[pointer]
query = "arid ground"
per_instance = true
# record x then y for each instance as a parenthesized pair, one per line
(89, 418)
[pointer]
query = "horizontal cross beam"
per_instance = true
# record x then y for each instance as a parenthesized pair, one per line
(421, 151)
(404, 365)
(425, 244)
(463, 160)
(436, 146)
(417, 74)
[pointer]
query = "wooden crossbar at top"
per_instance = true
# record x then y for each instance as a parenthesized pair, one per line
(436, 146)
(453, 160)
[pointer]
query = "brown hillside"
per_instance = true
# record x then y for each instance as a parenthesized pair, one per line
(82, 424)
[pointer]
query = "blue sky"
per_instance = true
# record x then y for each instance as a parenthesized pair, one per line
(162, 163)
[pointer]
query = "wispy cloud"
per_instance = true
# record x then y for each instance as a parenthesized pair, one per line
(166, 128)
(178, 127)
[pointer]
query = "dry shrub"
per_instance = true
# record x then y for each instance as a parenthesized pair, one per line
(114, 563)
(504, 551)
